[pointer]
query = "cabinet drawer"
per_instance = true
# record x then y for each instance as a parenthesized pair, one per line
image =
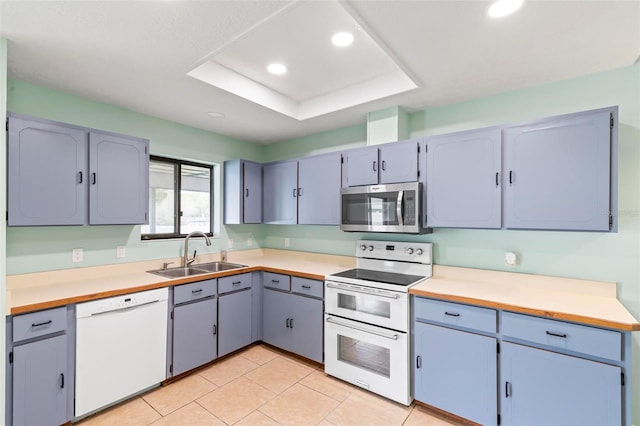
(233, 283)
(456, 314)
(307, 287)
(279, 281)
(194, 291)
(573, 337)
(36, 324)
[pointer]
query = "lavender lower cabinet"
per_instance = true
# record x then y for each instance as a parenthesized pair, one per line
(41, 382)
(539, 387)
(456, 371)
(195, 330)
(234, 321)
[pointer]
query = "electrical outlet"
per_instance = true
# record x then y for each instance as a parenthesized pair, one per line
(510, 258)
(286, 242)
(121, 252)
(230, 243)
(77, 255)
(250, 242)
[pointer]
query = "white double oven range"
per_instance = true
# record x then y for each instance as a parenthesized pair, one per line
(367, 317)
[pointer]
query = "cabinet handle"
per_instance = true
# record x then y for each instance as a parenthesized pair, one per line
(510, 177)
(451, 314)
(384, 165)
(562, 335)
(287, 322)
(215, 329)
(246, 192)
(93, 178)
(196, 291)
(79, 177)
(61, 380)
(295, 191)
(418, 361)
(375, 166)
(290, 322)
(38, 324)
(236, 282)
(299, 192)
(507, 389)
(497, 177)
(275, 281)
(306, 286)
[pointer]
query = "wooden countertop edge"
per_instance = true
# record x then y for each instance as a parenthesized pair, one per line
(598, 322)
(166, 283)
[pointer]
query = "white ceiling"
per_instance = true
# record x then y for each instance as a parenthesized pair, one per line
(136, 54)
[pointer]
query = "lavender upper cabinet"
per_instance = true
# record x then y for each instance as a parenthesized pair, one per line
(47, 173)
(280, 189)
(319, 181)
(463, 182)
(242, 192)
(559, 172)
(388, 163)
(119, 179)
(60, 174)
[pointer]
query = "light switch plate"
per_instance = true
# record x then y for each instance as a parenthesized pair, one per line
(250, 242)
(286, 242)
(121, 252)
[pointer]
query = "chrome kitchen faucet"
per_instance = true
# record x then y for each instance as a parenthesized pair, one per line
(185, 260)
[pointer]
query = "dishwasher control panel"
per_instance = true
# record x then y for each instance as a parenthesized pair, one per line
(120, 302)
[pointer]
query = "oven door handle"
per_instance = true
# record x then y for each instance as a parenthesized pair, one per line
(362, 290)
(399, 208)
(366, 330)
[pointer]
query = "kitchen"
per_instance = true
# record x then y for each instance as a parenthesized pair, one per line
(583, 255)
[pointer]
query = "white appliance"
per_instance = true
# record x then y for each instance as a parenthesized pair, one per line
(121, 347)
(366, 328)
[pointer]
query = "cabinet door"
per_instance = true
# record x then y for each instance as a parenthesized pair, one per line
(194, 335)
(399, 162)
(280, 186)
(40, 382)
(463, 180)
(234, 321)
(119, 180)
(319, 198)
(362, 166)
(557, 173)
(47, 173)
(276, 312)
(252, 206)
(307, 326)
(456, 371)
(539, 387)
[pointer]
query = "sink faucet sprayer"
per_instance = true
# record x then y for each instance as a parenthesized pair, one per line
(185, 260)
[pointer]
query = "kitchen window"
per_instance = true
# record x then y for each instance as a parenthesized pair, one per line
(180, 198)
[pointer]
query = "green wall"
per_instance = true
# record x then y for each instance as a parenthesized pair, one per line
(31, 249)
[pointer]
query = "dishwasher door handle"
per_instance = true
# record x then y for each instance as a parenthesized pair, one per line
(127, 308)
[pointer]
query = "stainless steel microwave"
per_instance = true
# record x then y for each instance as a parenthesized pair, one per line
(382, 208)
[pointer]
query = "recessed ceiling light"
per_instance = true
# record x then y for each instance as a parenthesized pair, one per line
(342, 39)
(215, 114)
(277, 69)
(502, 8)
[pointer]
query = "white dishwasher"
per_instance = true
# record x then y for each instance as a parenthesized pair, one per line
(121, 347)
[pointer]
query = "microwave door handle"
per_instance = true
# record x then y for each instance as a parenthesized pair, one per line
(399, 207)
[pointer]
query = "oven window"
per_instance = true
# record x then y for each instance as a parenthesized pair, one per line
(364, 355)
(365, 304)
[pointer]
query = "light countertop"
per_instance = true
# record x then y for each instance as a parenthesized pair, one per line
(588, 302)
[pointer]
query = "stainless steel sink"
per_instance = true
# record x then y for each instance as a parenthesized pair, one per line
(218, 266)
(203, 268)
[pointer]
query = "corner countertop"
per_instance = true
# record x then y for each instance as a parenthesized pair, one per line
(43, 290)
(587, 302)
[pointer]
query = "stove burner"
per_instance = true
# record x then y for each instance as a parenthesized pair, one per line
(392, 278)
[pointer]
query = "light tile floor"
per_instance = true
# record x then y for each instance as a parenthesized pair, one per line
(260, 386)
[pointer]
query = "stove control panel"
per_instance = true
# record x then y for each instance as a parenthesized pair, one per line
(394, 250)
